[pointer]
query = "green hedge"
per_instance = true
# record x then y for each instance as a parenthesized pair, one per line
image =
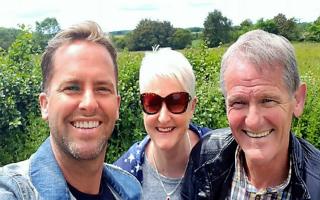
(22, 130)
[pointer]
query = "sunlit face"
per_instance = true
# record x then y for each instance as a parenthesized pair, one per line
(81, 103)
(260, 110)
(166, 129)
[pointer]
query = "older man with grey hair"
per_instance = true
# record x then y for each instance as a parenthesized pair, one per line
(258, 157)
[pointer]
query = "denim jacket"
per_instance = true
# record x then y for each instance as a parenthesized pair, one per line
(40, 177)
(211, 168)
(133, 159)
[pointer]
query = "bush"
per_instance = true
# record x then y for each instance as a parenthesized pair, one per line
(210, 109)
(308, 125)
(19, 87)
(22, 130)
(129, 127)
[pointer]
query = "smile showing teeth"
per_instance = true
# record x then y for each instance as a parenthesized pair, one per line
(258, 135)
(85, 124)
(165, 129)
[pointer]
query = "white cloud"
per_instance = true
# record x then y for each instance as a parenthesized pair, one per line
(123, 14)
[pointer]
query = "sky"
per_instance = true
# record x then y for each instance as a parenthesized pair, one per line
(115, 15)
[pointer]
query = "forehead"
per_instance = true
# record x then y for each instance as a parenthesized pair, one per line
(241, 75)
(81, 49)
(83, 60)
(163, 86)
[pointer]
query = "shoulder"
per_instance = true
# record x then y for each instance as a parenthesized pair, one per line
(122, 182)
(200, 131)
(132, 160)
(120, 174)
(15, 182)
(211, 145)
(306, 162)
(134, 154)
(216, 139)
(310, 156)
(16, 169)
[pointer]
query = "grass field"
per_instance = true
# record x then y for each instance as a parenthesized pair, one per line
(307, 54)
(308, 57)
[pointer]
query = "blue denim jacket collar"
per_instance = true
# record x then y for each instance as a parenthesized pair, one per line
(45, 174)
(50, 183)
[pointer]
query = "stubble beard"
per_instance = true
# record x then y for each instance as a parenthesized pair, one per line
(73, 150)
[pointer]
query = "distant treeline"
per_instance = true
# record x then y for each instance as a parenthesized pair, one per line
(44, 31)
(217, 30)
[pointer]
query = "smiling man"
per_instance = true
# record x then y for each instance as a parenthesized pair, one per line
(81, 104)
(258, 157)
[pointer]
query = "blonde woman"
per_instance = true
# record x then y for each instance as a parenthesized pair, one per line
(168, 99)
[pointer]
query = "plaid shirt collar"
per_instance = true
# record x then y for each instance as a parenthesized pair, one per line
(242, 186)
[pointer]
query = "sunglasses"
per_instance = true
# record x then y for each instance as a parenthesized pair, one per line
(176, 103)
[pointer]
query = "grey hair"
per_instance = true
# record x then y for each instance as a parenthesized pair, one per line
(167, 63)
(87, 31)
(262, 48)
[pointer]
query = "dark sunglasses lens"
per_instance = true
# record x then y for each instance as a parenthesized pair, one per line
(151, 103)
(177, 102)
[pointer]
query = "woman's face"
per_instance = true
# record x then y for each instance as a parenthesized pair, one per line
(165, 128)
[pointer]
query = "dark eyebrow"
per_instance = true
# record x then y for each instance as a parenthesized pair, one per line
(109, 84)
(69, 81)
(100, 82)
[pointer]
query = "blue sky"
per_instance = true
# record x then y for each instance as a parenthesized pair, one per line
(115, 15)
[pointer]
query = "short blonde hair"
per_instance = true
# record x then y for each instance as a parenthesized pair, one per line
(87, 31)
(167, 63)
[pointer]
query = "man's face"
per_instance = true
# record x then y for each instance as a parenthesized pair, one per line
(81, 103)
(260, 110)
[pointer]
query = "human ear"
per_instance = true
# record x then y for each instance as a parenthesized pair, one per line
(300, 97)
(118, 106)
(193, 104)
(43, 101)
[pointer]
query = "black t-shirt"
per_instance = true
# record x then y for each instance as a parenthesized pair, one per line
(104, 193)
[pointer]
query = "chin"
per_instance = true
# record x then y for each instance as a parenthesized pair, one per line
(86, 151)
(256, 155)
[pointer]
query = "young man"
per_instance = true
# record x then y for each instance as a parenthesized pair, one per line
(81, 104)
(259, 158)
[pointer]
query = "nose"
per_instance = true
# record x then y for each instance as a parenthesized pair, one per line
(88, 103)
(253, 118)
(164, 114)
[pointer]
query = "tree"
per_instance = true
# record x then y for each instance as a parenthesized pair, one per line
(195, 29)
(313, 31)
(8, 36)
(269, 25)
(45, 30)
(48, 26)
(244, 27)
(119, 41)
(286, 27)
(217, 29)
(180, 38)
(149, 33)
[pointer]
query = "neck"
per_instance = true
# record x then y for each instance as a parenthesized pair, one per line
(164, 160)
(263, 175)
(84, 175)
